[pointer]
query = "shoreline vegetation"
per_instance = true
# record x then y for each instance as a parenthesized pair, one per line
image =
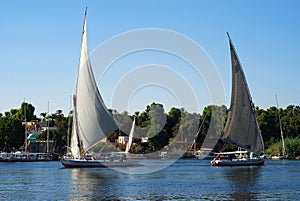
(292, 147)
(150, 124)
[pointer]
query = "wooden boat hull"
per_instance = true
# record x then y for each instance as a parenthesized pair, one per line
(81, 163)
(250, 162)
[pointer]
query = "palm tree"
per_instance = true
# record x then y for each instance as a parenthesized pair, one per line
(59, 115)
(43, 114)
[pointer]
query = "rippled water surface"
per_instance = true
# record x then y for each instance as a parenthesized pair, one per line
(184, 180)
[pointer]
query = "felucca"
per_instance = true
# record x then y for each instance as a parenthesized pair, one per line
(91, 120)
(241, 128)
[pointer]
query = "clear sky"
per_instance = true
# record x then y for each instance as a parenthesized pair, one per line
(40, 43)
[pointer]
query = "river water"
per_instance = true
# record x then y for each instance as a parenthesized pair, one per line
(183, 180)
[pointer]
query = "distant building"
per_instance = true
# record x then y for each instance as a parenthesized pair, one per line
(122, 139)
(40, 146)
(35, 127)
(144, 140)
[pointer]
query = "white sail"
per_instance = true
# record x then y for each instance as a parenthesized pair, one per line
(241, 127)
(131, 134)
(92, 120)
(74, 140)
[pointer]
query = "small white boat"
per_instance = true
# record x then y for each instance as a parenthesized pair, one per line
(281, 157)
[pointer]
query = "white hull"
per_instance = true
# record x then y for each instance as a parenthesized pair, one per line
(83, 163)
(279, 157)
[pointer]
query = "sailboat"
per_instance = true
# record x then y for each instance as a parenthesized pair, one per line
(130, 138)
(92, 121)
(241, 128)
(284, 155)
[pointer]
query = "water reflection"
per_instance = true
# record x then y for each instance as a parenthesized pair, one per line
(244, 182)
(180, 181)
(87, 184)
(106, 184)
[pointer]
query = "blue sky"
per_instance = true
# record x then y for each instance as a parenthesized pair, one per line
(40, 42)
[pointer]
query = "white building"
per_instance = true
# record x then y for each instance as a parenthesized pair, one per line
(122, 139)
(144, 140)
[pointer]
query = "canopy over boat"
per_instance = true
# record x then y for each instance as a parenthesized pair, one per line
(232, 152)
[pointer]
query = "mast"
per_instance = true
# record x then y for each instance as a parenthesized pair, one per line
(25, 119)
(280, 126)
(47, 142)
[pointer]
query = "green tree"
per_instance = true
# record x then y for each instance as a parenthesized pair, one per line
(173, 118)
(28, 109)
(268, 123)
(43, 114)
(11, 133)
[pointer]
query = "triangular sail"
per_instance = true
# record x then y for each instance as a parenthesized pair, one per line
(241, 127)
(74, 140)
(131, 134)
(92, 120)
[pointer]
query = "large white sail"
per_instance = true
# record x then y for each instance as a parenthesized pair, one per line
(128, 145)
(241, 127)
(93, 121)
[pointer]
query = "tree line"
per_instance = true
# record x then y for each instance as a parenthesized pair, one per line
(160, 127)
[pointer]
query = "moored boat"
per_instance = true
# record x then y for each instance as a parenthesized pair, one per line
(27, 155)
(24, 157)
